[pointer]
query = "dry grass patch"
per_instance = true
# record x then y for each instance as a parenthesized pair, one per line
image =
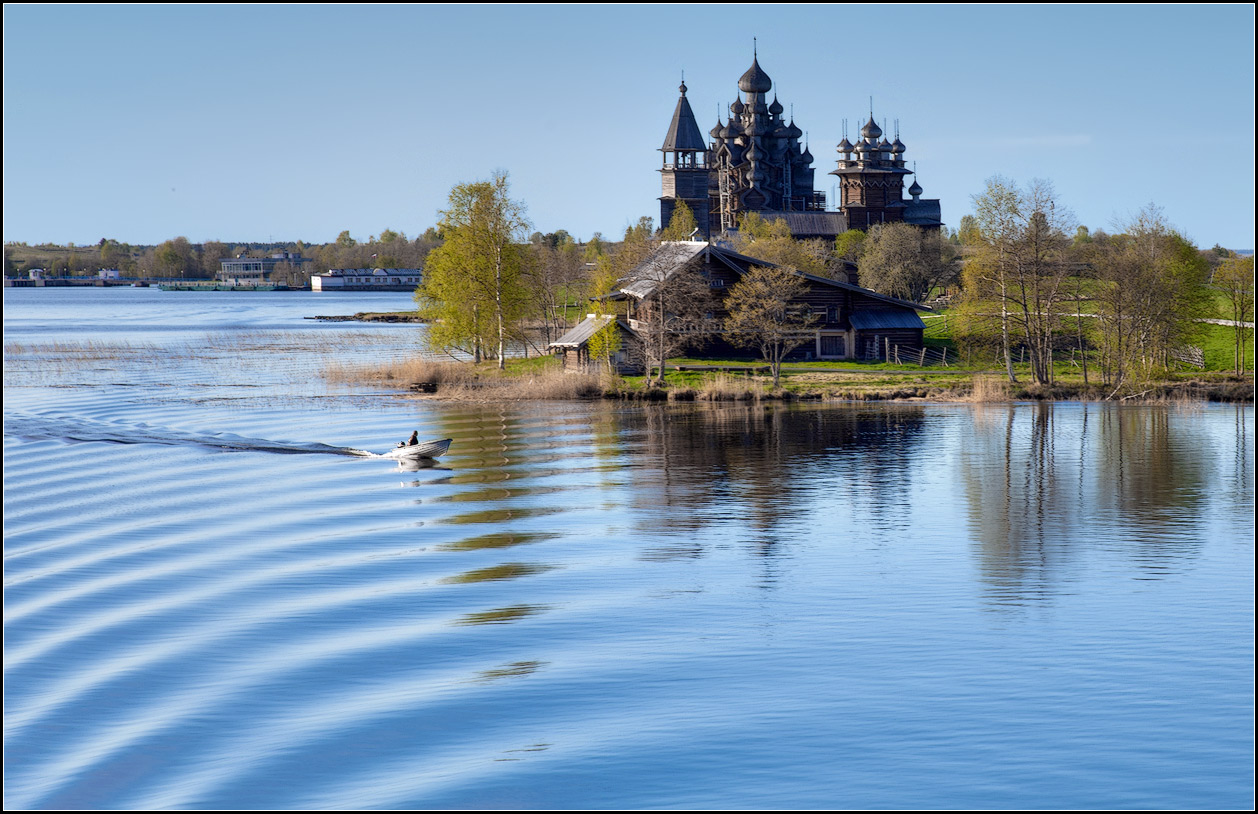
(464, 381)
(724, 387)
(409, 372)
(549, 384)
(988, 389)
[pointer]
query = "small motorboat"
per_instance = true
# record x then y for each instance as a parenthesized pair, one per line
(425, 449)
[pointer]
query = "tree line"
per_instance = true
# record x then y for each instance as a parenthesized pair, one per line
(1022, 275)
(1132, 303)
(179, 258)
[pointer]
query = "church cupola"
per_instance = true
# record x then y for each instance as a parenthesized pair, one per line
(871, 185)
(755, 80)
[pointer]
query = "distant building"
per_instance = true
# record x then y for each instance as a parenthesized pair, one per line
(367, 280)
(254, 271)
(755, 162)
(109, 274)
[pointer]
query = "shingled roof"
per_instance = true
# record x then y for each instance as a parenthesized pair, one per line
(581, 334)
(673, 256)
(658, 266)
(683, 132)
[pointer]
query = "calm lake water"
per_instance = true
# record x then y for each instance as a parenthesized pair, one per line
(211, 602)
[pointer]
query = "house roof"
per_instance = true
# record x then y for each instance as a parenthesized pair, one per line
(585, 329)
(885, 319)
(811, 224)
(658, 266)
(923, 212)
(672, 257)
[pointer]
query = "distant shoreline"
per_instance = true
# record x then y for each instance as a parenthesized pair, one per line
(367, 316)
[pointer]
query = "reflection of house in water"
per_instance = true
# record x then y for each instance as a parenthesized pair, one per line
(852, 322)
(763, 469)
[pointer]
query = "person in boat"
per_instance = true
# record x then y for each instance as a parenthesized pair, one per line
(413, 441)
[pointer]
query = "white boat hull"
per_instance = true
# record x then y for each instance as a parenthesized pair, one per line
(427, 449)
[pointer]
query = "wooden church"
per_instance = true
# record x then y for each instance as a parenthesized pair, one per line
(754, 162)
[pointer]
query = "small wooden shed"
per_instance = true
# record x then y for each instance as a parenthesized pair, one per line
(573, 348)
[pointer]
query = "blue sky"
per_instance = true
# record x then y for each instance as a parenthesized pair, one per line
(286, 122)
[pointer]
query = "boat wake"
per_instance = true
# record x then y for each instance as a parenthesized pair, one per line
(76, 430)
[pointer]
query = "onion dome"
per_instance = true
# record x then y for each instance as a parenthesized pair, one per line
(792, 131)
(916, 189)
(897, 146)
(776, 108)
(755, 80)
(845, 146)
(871, 130)
(806, 157)
(737, 108)
(715, 132)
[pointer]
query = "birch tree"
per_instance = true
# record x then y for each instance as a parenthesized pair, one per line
(605, 343)
(1021, 266)
(1235, 278)
(474, 292)
(1151, 292)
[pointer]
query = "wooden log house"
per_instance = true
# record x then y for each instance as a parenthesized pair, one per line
(853, 323)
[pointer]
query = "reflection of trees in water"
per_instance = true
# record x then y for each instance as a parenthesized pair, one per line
(1022, 483)
(1239, 476)
(1155, 474)
(764, 469)
(1043, 482)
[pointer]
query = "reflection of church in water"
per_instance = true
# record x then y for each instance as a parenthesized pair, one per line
(755, 162)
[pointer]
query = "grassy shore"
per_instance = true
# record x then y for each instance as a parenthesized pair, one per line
(968, 376)
(740, 380)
